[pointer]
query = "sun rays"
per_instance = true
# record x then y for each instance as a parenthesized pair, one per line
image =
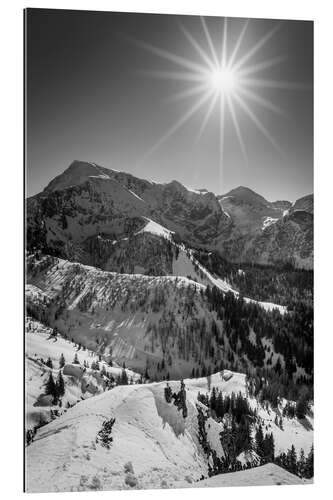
(221, 80)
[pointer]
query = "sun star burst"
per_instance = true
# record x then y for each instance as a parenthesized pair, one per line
(221, 81)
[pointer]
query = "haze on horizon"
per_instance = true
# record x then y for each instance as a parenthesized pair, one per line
(88, 99)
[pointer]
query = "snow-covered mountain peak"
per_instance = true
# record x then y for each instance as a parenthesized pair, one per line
(88, 200)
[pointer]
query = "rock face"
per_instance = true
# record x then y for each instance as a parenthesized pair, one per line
(268, 232)
(88, 201)
(85, 210)
(304, 204)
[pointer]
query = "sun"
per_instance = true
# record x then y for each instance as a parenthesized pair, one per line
(223, 80)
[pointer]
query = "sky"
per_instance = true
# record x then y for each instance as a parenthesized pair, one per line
(97, 90)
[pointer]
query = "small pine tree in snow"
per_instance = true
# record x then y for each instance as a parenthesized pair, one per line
(124, 377)
(308, 473)
(62, 361)
(168, 393)
(104, 435)
(76, 360)
(50, 387)
(259, 440)
(60, 385)
(301, 464)
(180, 399)
(95, 365)
(292, 460)
(49, 363)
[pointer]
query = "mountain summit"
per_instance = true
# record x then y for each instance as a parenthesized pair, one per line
(247, 195)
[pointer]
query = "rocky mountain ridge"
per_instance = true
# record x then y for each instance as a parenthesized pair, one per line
(91, 206)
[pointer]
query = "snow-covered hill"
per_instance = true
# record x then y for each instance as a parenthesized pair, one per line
(153, 445)
(80, 382)
(265, 475)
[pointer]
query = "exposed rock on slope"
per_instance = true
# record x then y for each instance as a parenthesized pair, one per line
(267, 233)
(305, 204)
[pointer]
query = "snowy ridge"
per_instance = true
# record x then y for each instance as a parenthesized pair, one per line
(164, 450)
(105, 310)
(265, 475)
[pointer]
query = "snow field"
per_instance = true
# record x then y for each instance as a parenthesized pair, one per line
(157, 433)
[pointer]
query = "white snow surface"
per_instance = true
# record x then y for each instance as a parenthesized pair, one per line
(40, 345)
(265, 475)
(153, 445)
(155, 228)
(268, 221)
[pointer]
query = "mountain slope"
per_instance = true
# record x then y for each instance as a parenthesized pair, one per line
(198, 328)
(305, 204)
(268, 232)
(163, 445)
(81, 381)
(265, 475)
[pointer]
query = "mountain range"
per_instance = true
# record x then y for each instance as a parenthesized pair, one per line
(169, 335)
(83, 211)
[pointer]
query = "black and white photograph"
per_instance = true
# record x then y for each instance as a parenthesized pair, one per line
(168, 330)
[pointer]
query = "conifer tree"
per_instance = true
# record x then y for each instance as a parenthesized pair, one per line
(268, 448)
(49, 363)
(76, 360)
(50, 387)
(95, 365)
(124, 377)
(301, 464)
(292, 460)
(60, 385)
(301, 407)
(168, 393)
(309, 464)
(62, 361)
(259, 440)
